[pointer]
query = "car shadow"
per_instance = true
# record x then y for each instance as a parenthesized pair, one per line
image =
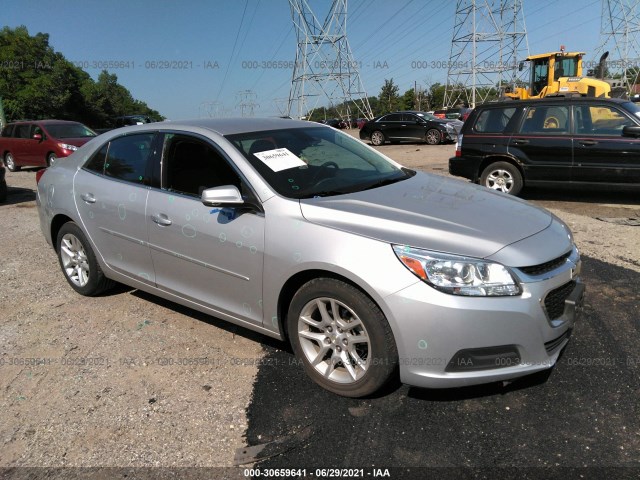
(619, 195)
(18, 195)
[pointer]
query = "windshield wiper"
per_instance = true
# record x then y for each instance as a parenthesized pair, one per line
(389, 181)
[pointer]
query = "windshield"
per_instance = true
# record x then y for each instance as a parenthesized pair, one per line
(315, 162)
(70, 130)
(427, 116)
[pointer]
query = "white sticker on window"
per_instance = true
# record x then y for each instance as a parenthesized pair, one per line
(279, 159)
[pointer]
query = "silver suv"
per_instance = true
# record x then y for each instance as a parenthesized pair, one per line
(305, 234)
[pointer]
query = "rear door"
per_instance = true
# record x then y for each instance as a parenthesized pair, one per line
(602, 154)
(543, 143)
(393, 126)
(111, 193)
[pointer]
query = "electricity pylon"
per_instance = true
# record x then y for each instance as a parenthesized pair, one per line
(619, 29)
(489, 40)
(324, 68)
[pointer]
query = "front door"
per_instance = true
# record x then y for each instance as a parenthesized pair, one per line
(211, 256)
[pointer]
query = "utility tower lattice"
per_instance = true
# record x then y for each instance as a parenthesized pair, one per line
(489, 39)
(619, 29)
(247, 103)
(324, 68)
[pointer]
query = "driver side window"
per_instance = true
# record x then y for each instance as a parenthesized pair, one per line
(191, 166)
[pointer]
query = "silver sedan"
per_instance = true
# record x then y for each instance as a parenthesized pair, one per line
(305, 234)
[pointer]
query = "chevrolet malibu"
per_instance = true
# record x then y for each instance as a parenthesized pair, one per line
(370, 270)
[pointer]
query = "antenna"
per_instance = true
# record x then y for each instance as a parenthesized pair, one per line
(489, 38)
(324, 66)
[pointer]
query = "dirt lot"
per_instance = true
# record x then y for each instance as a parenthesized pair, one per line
(129, 380)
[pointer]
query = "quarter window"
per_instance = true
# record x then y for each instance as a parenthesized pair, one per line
(494, 120)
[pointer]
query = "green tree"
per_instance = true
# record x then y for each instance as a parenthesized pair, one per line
(38, 82)
(389, 96)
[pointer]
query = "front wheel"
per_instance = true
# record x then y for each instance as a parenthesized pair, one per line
(377, 138)
(78, 262)
(11, 163)
(503, 177)
(343, 339)
(433, 136)
(51, 159)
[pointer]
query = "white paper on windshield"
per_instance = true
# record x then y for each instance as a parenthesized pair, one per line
(279, 159)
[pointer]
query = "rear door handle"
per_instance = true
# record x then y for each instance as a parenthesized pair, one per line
(587, 143)
(88, 197)
(520, 141)
(161, 219)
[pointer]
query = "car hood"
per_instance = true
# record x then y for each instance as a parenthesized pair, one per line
(434, 213)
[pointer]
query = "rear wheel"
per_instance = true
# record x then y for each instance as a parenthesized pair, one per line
(78, 262)
(11, 163)
(343, 339)
(433, 136)
(503, 177)
(377, 138)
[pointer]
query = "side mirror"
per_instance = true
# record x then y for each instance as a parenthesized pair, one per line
(37, 136)
(224, 196)
(631, 131)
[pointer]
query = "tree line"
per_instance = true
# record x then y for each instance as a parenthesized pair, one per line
(36, 82)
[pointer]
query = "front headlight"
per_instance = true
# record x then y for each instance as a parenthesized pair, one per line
(458, 275)
(66, 146)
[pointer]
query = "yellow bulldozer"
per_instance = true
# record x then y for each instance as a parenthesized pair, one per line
(561, 74)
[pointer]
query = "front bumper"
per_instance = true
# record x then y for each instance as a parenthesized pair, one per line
(452, 341)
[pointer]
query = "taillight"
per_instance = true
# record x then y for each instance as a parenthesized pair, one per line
(459, 146)
(39, 174)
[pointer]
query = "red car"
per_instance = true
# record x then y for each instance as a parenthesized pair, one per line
(39, 143)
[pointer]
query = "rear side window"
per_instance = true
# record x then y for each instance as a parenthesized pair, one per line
(124, 158)
(546, 119)
(22, 130)
(493, 120)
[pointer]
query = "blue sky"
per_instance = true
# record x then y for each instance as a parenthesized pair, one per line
(386, 38)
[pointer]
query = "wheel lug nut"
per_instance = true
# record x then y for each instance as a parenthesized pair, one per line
(327, 340)
(344, 341)
(329, 329)
(338, 348)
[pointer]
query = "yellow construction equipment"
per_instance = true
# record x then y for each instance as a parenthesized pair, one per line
(561, 74)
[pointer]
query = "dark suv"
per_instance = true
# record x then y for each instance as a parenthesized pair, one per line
(551, 141)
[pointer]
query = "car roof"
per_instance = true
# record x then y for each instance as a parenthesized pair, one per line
(568, 99)
(44, 122)
(230, 126)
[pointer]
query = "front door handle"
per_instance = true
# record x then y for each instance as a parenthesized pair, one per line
(88, 197)
(161, 219)
(587, 143)
(520, 141)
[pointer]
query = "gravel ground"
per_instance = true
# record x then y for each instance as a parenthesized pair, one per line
(130, 380)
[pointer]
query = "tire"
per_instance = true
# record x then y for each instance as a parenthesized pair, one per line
(433, 136)
(322, 342)
(377, 138)
(78, 262)
(10, 163)
(51, 159)
(503, 177)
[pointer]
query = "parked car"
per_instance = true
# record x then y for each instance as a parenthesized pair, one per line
(552, 141)
(305, 234)
(3, 182)
(410, 126)
(360, 122)
(456, 113)
(335, 123)
(39, 143)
